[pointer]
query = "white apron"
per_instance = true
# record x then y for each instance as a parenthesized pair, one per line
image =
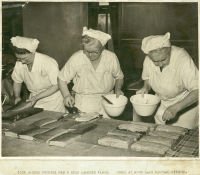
(188, 119)
(37, 83)
(90, 103)
(169, 85)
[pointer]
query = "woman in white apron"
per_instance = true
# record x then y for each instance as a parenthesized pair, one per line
(173, 76)
(39, 73)
(94, 71)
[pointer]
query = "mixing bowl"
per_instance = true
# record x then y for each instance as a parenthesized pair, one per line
(118, 105)
(145, 105)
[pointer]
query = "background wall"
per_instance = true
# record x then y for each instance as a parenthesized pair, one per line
(11, 24)
(58, 26)
(138, 20)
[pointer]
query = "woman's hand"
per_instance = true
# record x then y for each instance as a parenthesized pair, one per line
(119, 92)
(170, 113)
(69, 101)
(142, 91)
(17, 100)
(33, 100)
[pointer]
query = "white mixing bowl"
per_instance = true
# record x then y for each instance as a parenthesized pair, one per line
(145, 105)
(118, 105)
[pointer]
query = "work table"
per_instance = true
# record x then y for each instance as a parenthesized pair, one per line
(84, 145)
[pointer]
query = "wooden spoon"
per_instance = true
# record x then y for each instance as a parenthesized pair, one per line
(107, 100)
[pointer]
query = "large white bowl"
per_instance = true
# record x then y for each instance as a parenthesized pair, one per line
(145, 105)
(118, 105)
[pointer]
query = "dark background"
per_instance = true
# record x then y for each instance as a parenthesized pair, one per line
(58, 26)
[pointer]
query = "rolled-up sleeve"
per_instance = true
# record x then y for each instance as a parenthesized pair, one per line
(17, 73)
(116, 69)
(189, 74)
(145, 71)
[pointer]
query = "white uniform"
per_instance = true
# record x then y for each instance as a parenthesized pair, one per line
(42, 76)
(173, 84)
(90, 84)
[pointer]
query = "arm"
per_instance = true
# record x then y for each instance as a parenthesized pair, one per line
(17, 82)
(189, 76)
(147, 85)
(190, 99)
(145, 89)
(118, 86)
(68, 99)
(145, 76)
(17, 90)
(117, 75)
(51, 90)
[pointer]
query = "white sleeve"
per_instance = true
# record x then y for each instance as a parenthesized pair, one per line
(17, 73)
(189, 73)
(145, 71)
(52, 71)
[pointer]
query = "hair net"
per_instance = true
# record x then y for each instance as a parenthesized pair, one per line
(155, 42)
(25, 43)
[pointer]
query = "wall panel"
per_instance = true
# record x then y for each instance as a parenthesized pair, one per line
(138, 20)
(58, 26)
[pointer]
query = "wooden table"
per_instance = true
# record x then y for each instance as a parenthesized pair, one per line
(84, 145)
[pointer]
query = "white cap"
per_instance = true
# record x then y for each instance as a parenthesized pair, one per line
(155, 42)
(99, 35)
(25, 43)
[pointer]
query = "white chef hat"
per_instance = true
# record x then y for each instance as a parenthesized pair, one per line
(25, 43)
(99, 35)
(155, 42)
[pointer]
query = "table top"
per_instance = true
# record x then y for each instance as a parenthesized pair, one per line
(83, 145)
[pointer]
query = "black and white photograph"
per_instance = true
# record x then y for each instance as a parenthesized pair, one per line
(100, 79)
